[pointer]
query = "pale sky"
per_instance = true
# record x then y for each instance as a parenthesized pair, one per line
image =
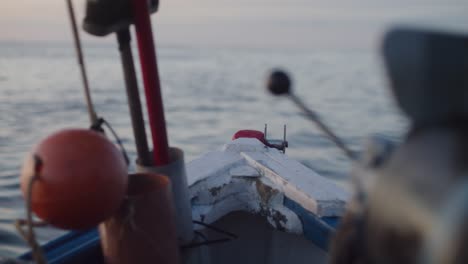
(248, 23)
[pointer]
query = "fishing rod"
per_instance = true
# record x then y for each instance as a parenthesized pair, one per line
(96, 121)
(133, 95)
(279, 84)
(93, 118)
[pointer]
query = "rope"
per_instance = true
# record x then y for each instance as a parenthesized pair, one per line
(117, 139)
(98, 127)
(79, 53)
(96, 121)
(228, 236)
(214, 228)
(29, 235)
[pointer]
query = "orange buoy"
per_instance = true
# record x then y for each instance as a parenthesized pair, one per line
(82, 179)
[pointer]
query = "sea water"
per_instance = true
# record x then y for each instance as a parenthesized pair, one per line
(209, 94)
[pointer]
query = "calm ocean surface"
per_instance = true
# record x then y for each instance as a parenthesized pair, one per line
(209, 94)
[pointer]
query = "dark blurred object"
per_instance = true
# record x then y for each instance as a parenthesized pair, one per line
(107, 16)
(428, 72)
(412, 207)
(279, 82)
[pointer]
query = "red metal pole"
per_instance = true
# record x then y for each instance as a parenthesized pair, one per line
(149, 67)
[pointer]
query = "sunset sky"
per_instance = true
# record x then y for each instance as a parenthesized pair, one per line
(249, 23)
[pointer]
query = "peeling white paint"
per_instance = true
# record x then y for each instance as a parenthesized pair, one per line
(246, 176)
(244, 171)
(293, 225)
(313, 192)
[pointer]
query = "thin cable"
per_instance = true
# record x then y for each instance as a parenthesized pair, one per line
(92, 113)
(205, 243)
(227, 233)
(229, 236)
(200, 234)
(117, 139)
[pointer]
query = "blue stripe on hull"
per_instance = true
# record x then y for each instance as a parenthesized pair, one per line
(316, 229)
(74, 247)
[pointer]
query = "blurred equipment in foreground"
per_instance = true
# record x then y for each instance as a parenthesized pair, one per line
(411, 206)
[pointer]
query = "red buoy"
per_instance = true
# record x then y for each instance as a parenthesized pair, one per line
(82, 179)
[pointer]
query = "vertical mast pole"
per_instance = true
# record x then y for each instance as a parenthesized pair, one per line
(151, 81)
(131, 84)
